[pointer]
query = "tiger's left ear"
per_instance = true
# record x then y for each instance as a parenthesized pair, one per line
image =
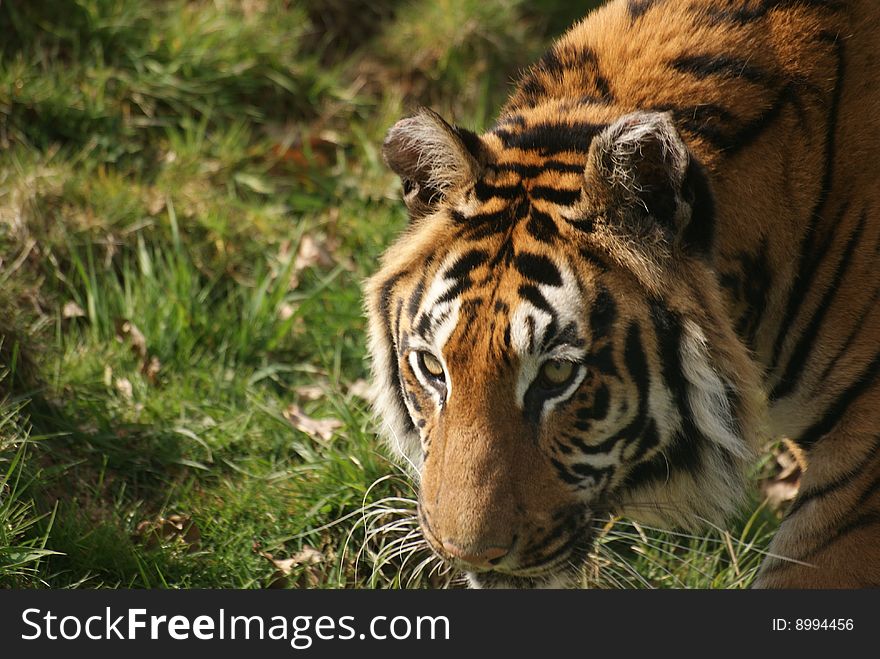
(643, 174)
(431, 157)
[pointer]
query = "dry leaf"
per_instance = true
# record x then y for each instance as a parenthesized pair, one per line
(155, 201)
(172, 529)
(128, 331)
(285, 311)
(123, 386)
(311, 252)
(310, 392)
(362, 389)
(317, 428)
(150, 369)
(72, 310)
(315, 151)
(309, 557)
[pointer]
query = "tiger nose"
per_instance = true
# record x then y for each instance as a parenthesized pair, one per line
(483, 558)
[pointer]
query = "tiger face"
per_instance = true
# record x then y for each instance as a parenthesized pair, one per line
(549, 343)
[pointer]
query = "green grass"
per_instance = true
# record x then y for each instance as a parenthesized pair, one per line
(163, 165)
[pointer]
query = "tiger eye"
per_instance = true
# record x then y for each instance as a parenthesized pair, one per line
(431, 364)
(557, 373)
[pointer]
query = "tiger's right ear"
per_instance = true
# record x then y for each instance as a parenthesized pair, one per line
(431, 157)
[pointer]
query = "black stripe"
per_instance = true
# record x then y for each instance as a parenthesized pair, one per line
(532, 88)
(536, 297)
(603, 314)
(531, 171)
(638, 8)
(471, 141)
(415, 299)
(602, 360)
(811, 258)
(599, 407)
(538, 269)
(567, 336)
(558, 196)
(466, 263)
(806, 263)
(838, 408)
(707, 65)
(749, 14)
(585, 470)
(756, 279)
(597, 259)
(844, 349)
(699, 235)
(754, 128)
(685, 450)
(550, 63)
(541, 226)
(637, 367)
(650, 439)
(486, 191)
(564, 473)
(460, 287)
(585, 224)
(604, 88)
(567, 529)
(706, 121)
(385, 297)
(561, 58)
(805, 496)
(870, 518)
(807, 339)
(552, 139)
(870, 490)
(482, 225)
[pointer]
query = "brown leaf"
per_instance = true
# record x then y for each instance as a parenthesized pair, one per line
(285, 311)
(309, 556)
(127, 331)
(72, 310)
(123, 386)
(156, 200)
(313, 152)
(309, 392)
(150, 369)
(178, 529)
(313, 252)
(317, 428)
(362, 389)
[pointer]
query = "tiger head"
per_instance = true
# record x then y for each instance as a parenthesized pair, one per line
(549, 342)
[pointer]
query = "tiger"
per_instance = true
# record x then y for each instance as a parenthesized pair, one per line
(661, 256)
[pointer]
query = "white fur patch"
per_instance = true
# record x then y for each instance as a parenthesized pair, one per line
(389, 396)
(528, 331)
(708, 394)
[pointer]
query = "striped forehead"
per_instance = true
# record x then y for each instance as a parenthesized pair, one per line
(541, 297)
(438, 309)
(549, 308)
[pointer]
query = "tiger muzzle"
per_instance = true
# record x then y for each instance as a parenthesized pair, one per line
(485, 492)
